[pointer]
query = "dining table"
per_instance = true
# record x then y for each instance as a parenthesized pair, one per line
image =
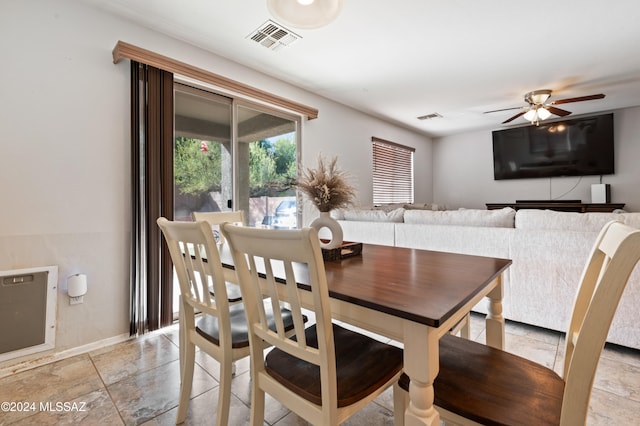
(414, 297)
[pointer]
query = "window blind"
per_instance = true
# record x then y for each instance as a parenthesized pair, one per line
(392, 172)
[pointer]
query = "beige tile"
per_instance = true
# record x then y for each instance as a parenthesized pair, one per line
(212, 366)
(621, 354)
(478, 325)
(618, 378)
(62, 381)
(95, 408)
(172, 334)
(370, 415)
(120, 361)
(607, 409)
(534, 333)
(143, 377)
(241, 388)
(203, 410)
(144, 396)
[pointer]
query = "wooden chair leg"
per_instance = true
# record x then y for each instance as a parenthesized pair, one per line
(257, 405)
(224, 392)
(186, 381)
(400, 403)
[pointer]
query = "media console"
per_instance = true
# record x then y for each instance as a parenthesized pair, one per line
(559, 206)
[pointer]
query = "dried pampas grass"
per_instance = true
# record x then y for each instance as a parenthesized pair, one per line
(326, 186)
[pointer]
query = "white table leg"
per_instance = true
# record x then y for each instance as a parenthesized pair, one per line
(421, 363)
(495, 320)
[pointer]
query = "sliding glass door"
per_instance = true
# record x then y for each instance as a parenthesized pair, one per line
(267, 158)
(203, 152)
(233, 155)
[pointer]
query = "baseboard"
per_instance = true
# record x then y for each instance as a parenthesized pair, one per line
(57, 356)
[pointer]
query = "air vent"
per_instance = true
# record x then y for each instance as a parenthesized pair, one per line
(273, 36)
(429, 116)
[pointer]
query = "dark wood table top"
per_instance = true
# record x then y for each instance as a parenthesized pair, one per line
(420, 285)
(423, 286)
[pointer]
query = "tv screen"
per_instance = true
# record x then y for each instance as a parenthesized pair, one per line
(579, 147)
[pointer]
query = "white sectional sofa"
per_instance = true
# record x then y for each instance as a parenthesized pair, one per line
(549, 250)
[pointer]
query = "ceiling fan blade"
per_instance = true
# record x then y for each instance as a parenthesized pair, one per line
(504, 109)
(520, 114)
(557, 111)
(578, 99)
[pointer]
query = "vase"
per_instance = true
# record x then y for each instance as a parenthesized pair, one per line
(326, 221)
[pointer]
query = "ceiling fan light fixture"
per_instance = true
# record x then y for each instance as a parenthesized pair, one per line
(305, 14)
(531, 115)
(536, 114)
(543, 113)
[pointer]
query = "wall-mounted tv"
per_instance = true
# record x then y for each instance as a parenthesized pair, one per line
(578, 147)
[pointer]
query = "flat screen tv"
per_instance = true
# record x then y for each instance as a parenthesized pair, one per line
(578, 147)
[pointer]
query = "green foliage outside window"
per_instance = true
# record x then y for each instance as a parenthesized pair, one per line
(272, 166)
(195, 169)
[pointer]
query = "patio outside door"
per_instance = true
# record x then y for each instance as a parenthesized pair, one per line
(203, 151)
(233, 155)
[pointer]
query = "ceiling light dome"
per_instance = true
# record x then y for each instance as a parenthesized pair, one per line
(305, 14)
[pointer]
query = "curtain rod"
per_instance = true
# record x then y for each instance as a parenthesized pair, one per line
(124, 50)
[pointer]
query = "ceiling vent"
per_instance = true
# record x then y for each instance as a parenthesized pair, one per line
(429, 116)
(273, 36)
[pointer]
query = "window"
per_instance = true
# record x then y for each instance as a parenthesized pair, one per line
(392, 172)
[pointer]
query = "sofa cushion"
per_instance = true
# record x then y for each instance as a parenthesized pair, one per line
(396, 215)
(563, 221)
(386, 207)
(632, 219)
(381, 233)
(424, 206)
(503, 218)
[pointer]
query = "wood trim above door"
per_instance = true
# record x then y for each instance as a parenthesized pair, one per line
(135, 53)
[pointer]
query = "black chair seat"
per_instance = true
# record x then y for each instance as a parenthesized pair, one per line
(207, 325)
(494, 387)
(233, 292)
(362, 365)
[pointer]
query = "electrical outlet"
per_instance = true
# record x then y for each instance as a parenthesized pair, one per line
(76, 300)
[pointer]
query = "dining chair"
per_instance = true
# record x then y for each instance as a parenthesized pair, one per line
(212, 324)
(326, 373)
(478, 384)
(215, 219)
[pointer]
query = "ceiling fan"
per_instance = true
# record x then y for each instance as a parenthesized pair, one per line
(538, 108)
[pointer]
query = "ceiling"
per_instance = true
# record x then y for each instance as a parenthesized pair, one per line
(398, 60)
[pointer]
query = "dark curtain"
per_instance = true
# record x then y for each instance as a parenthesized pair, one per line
(151, 196)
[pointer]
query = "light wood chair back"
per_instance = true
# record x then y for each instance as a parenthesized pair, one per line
(478, 384)
(612, 260)
(198, 267)
(286, 267)
(210, 323)
(215, 219)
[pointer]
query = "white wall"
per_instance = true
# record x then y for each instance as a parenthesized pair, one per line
(463, 171)
(64, 156)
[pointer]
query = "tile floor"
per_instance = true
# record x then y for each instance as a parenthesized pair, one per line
(137, 382)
